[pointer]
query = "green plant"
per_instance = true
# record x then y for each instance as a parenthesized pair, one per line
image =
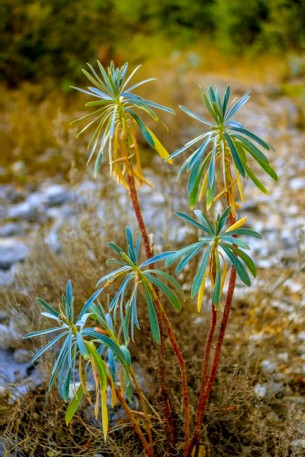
(216, 169)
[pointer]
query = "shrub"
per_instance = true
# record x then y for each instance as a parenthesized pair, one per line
(222, 158)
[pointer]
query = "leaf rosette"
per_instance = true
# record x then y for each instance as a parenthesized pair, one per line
(218, 247)
(222, 157)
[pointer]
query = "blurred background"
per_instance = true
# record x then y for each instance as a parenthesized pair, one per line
(45, 44)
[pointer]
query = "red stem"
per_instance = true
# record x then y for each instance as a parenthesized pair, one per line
(149, 254)
(207, 390)
(184, 382)
(206, 387)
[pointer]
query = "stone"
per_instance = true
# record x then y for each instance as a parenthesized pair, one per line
(297, 184)
(260, 390)
(56, 194)
(269, 367)
(6, 279)
(22, 355)
(11, 251)
(298, 443)
(24, 210)
(10, 229)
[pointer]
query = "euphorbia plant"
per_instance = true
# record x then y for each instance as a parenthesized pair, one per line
(216, 170)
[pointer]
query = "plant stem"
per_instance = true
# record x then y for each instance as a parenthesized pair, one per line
(206, 386)
(207, 390)
(138, 213)
(149, 450)
(143, 406)
(181, 362)
(149, 254)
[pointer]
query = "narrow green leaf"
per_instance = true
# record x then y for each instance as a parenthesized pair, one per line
(180, 253)
(194, 115)
(142, 128)
(246, 259)
(157, 258)
(190, 220)
(246, 232)
(47, 307)
(99, 362)
(253, 137)
(165, 290)
(236, 158)
(240, 269)
(152, 315)
(216, 290)
(255, 179)
(254, 151)
(74, 405)
(90, 302)
(43, 332)
(170, 279)
(48, 346)
(200, 273)
(187, 259)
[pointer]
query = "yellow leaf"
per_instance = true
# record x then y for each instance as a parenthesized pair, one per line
(203, 187)
(201, 451)
(201, 295)
(141, 178)
(223, 277)
(237, 224)
(104, 413)
(159, 147)
(240, 187)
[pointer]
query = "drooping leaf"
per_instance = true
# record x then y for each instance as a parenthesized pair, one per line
(74, 405)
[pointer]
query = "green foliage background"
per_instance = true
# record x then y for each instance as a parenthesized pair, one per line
(52, 39)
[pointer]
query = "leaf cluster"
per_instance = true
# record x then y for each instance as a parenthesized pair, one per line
(134, 274)
(221, 158)
(218, 246)
(115, 119)
(80, 342)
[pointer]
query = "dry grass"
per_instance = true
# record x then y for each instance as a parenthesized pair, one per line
(237, 423)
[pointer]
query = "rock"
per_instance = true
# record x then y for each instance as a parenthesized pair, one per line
(22, 355)
(11, 251)
(298, 443)
(301, 336)
(260, 390)
(297, 184)
(56, 194)
(24, 210)
(11, 229)
(6, 279)
(269, 367)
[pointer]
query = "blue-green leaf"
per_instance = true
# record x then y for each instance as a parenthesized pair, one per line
(47, 307)
(240, 269)
(89, 302)
(236, 158)
(48, 346)
(157, 258)
(187, 259)
(201, 271)
(154, 325)
(165, 290)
